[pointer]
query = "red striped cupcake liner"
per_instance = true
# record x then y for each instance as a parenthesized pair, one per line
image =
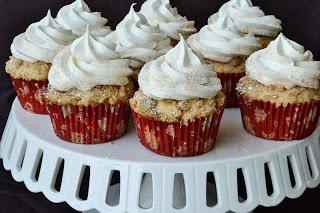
(279, 122)
(180, 139)
(229, 83)
(89, 125)
(31, 94)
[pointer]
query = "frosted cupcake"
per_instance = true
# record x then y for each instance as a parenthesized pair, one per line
(280, 96)
(89, 91)
(178, 109)
(171, 23)
(139, 41)
(77, 16)
(250, 19)
(226, 49)
(32, 55)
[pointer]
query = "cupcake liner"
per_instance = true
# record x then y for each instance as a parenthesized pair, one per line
(282, 123)
(31, 94)
(229, 82)
(89, 125)
(180, 139)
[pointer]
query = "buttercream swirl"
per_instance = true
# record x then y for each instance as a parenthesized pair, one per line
(249, 18)
(168, 18)
(285, 63)
(41, 41)
(90, 61)
(140, 41)
(77, 16)
(221, 41)
(179, 75)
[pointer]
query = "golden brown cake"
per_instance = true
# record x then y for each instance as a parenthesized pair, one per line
(27, 70)
(236, 65)
(174, 110)
(97, 95)
(275, 93)
(265, 40)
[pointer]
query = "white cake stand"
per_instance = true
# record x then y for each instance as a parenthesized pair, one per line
(29, 138)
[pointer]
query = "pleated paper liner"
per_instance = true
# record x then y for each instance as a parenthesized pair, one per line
(89, 125)
(180, 139)
(229, 82)
(31, 94)
(281, 123)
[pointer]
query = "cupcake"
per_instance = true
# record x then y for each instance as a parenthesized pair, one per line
(178, 108)
(89, 91)
(32, 55)
(250, 19)
(77, 16)
(171, 23)
(226, 49)
(138, 41)
(280, 96)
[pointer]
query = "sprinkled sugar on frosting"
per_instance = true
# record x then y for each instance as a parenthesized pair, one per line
(160, 12)
(249, 18)
(90, 61)
(138, 40)
(179, 75)
(285, 63)
(41, 41)
(221, 41)
(77, 16)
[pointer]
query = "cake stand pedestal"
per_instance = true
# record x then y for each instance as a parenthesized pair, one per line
(30, 149)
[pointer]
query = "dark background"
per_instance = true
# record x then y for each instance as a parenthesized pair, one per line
(300, 22)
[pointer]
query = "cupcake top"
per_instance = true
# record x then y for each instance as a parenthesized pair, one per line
(77, 16)
(140, 41)
(249, 18)
(179, 75)
(41, 41)
(169, 20)
(284, 63)
(221, 41)
(90, 61)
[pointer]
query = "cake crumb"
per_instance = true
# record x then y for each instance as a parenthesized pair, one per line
(26, 70)
(97, 95)
(276, 94)
(236, 65)
(174, 110)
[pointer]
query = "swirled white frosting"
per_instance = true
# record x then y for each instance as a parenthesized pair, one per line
(140, 41)
(179, 75)
(77, 16)
(41, 41)
(249, 18)
(90, 61)
(221, 41)
(286, 63)
(169, 20)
